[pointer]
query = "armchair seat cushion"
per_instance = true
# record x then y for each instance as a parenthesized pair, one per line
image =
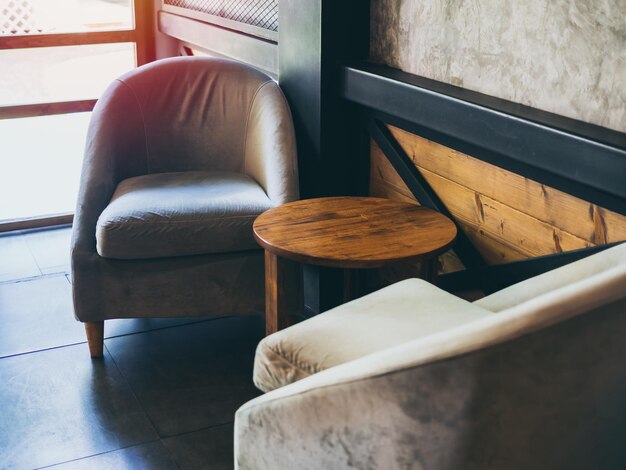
(180, 214)
(397, 314)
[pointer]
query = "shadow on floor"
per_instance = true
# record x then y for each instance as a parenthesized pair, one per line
(163, 397)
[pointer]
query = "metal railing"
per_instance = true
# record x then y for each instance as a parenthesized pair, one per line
(261, 13)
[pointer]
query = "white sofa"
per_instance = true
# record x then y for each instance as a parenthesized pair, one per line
(533, 376)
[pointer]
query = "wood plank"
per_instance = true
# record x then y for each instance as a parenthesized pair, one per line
(612, 224)
(380, 188)
(556, 208)
(510, 226)
(36, 222)
(46, 109)
(383, 170)
(144, 32)
(66, 39)
(493, 251)
(385, 182)
(497, 249)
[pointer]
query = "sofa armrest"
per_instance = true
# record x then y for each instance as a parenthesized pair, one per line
(560, 278)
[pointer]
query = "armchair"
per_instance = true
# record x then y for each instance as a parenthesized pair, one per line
(533, 376)
(181, 156)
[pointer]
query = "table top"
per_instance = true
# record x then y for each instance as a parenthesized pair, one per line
(353, 232)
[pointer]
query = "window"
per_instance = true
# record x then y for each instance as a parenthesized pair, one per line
(56, 59)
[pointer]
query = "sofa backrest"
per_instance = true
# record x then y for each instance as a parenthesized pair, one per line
(555, 286)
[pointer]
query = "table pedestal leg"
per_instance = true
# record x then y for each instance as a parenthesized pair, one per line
(351, 284)
(275, 299)
(323, 288)
(430, 270)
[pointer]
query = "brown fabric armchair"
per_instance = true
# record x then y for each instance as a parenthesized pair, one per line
(181, 156)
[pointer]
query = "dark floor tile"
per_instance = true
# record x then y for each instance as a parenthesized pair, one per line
(59, 405)
(50, 248)
(37, 314)
(127, 326)
(210, 448)
(150, 456)
(16, 260)
(191, 377)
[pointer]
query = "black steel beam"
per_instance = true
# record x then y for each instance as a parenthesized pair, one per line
(581, 159)
(420, 188)
(316, 37)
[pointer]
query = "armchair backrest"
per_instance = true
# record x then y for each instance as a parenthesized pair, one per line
(189, 113)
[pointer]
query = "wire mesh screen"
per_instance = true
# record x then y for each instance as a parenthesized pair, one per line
(262, 13)
(17, 17)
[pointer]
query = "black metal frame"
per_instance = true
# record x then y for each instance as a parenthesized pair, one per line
(581, 159)
(314, 40)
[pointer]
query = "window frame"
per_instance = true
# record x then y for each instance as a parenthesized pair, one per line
(141, 34)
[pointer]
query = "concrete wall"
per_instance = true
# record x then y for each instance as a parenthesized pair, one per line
(563, 56)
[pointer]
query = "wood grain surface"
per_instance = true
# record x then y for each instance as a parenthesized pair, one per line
(276, 317)
(352, 232)
(506, 216)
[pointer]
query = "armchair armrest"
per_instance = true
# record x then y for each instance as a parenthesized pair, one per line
(270, 147)
(115, 149)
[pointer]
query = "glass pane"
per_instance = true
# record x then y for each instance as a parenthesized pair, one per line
(40, 162)
(63, 16)
(67, 73)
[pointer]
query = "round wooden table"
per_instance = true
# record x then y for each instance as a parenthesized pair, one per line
(348, 233)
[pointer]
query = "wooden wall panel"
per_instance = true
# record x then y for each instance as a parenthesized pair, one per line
(506, 216)
(555, 208)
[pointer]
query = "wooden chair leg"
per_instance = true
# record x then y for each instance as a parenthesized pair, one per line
(95, 338)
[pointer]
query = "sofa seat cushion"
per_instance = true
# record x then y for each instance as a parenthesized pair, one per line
(402, 312)
(180, 214)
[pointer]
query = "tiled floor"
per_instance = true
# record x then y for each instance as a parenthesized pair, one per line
(163, 397)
